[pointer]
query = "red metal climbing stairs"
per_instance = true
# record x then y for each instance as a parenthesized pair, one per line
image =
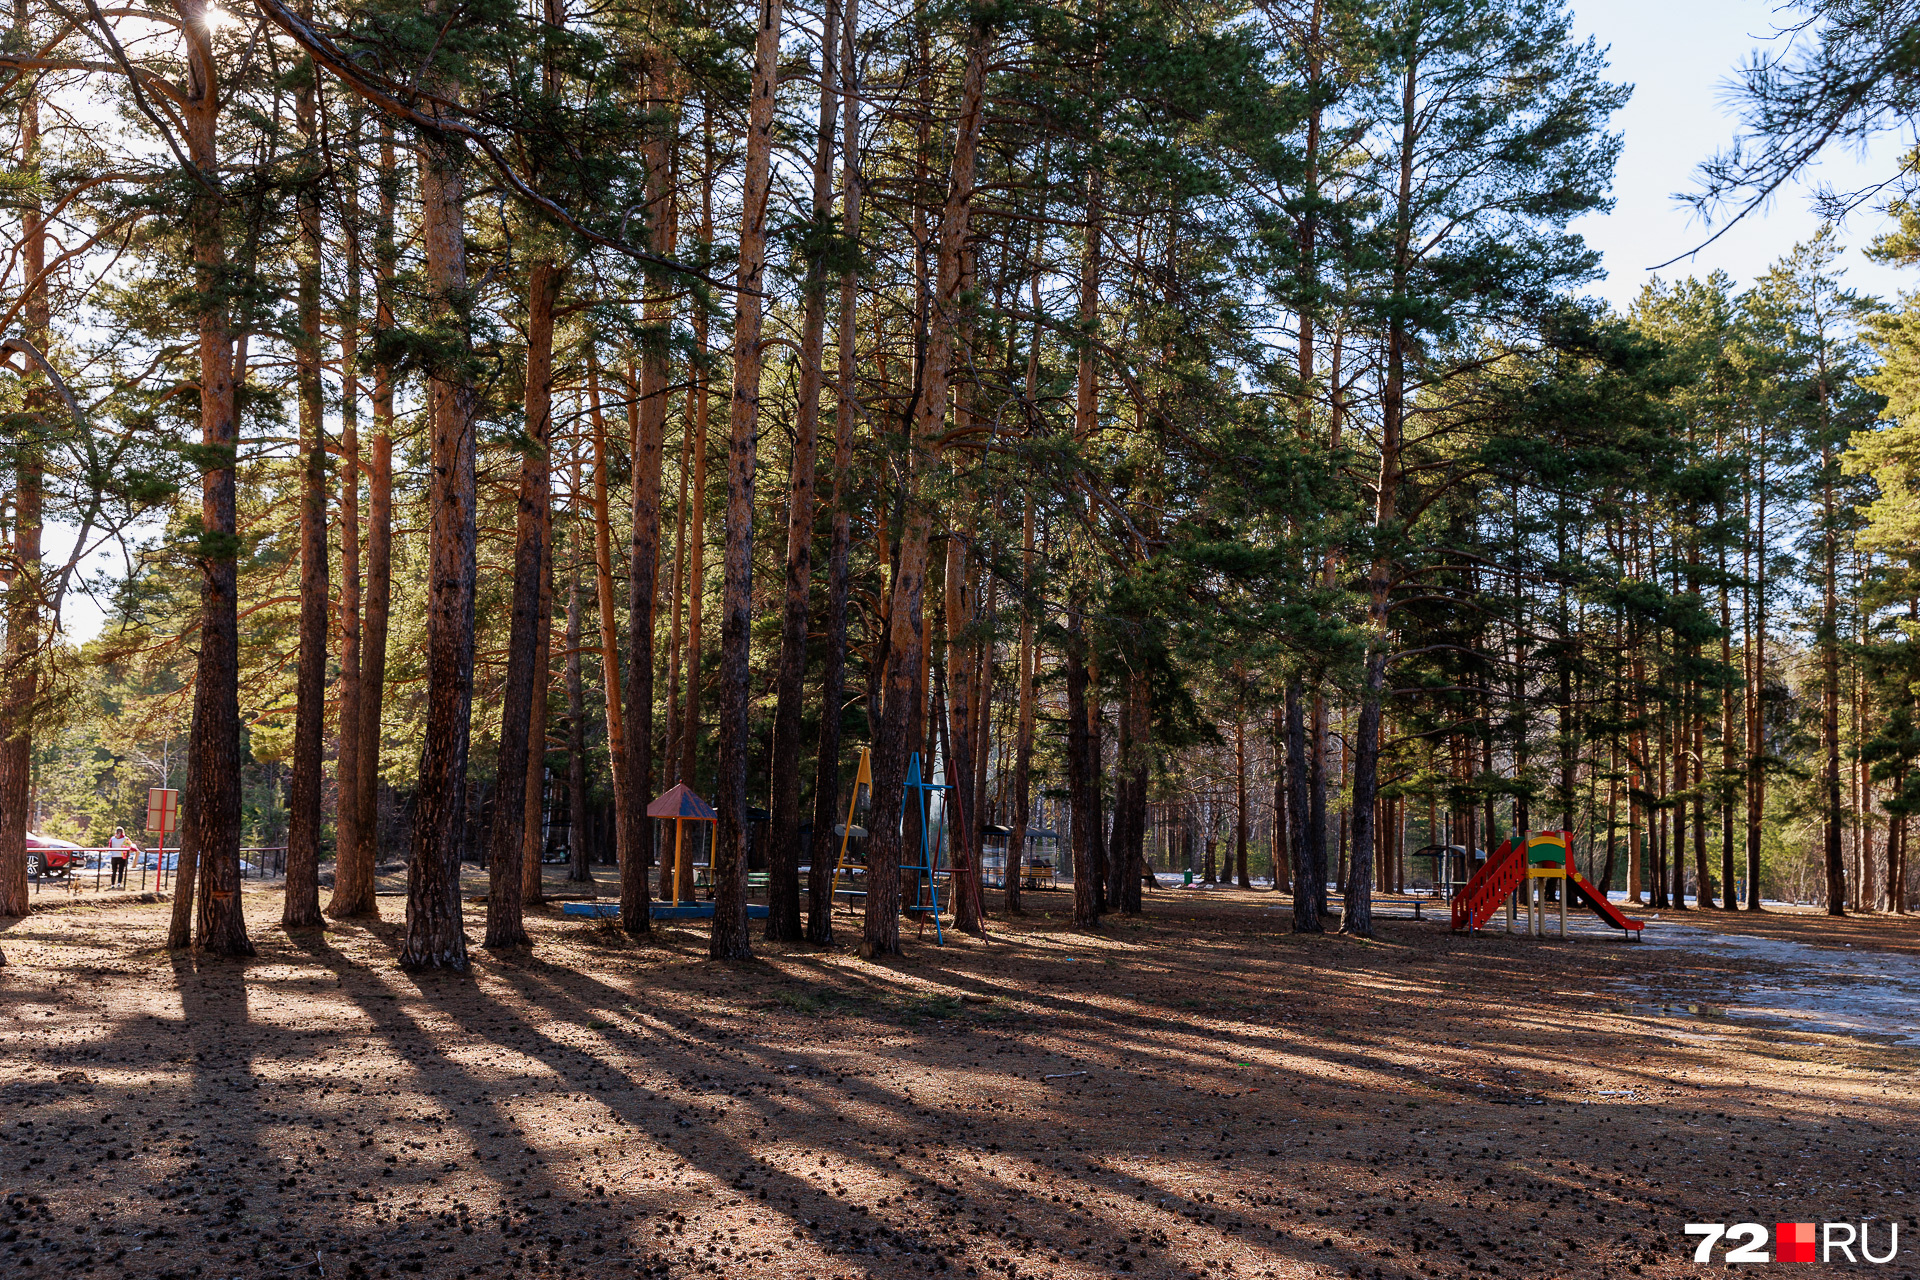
(1489, 886)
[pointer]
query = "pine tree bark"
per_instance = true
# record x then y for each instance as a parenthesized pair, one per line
(346, 809)
(676, 630)
(533, 889)
(25, 626)
(435, 938)
(1639, 817)
(1308, 764)
(648, 418)
(699, 395)
(1306, 866)
(301, 907)
(1317, 803)
(1029, 658)
(730, 940)
(506, 889)
(783, 850)
(1024, 719)
(833, 659)
(1677, 806)
(646, 414)
(1242, 820)
(983, 686)
(353, 878)
(1080, 787)
(900, 717)
(212, 825)
(1141, 708)
(1703, 876)
(683, 765)
(1829, 642)
(1116, 845)
(579, 871)
(187, 861)
(1095, 780)
(1282, 843)
(1756, 684)
(1357, 917)
(1086, 423)
(629, 846)
(964, 887)
(539, 419)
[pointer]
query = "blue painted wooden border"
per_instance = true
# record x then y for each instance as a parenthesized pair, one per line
(661, 911)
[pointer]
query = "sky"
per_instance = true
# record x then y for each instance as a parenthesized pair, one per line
(1679, 55)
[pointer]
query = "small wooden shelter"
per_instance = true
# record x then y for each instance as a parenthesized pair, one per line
(681, 805)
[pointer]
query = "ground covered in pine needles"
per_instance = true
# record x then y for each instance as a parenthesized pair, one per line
(1194, 1093)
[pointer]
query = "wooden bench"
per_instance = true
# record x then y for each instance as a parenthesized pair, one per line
(1391, 900)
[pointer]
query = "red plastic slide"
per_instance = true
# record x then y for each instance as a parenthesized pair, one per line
(1586, 894)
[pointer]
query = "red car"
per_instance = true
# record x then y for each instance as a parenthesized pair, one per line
(49, 857)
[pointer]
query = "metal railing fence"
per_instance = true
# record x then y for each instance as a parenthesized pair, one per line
(147, 869)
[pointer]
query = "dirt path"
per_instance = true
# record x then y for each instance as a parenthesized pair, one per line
(1193, 1094)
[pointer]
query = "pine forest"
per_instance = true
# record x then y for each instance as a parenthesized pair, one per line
(616, 596)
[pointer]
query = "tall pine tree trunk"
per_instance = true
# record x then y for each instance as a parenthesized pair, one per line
(212, 827)
(435, 938)
(833, 658)
(901, 722)
(1024, 717)
(1282, 842)
(783, 851)
(1829, 642)
(25, 626)
(1094, 779)
(965, 888)
(353, 880)
(646, 429)
(1756, 686)
(1357, 918)
(700, 402)
(1729, 746)
(1308, 892)
(1638, 815)
(301, 907)
(730, 939)
(676, 630)
(1677, 807)
(505, 875)
(1702, 874)
(533, 888)
(1134, 854)
(1306, 766)
(648, 419)
(346, 809)
(579, 870)
(1085, 810)
(629, 831)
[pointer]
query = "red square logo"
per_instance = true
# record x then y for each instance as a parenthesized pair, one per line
(1793, 1241)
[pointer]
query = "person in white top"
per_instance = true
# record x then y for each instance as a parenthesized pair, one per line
(120, 847)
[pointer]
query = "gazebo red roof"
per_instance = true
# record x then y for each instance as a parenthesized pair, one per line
(681, 803)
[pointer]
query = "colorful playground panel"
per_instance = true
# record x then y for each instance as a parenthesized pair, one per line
(1546, 853)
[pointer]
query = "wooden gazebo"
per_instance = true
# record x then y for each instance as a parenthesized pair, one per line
(682, 806)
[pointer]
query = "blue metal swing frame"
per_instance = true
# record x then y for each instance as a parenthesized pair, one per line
(926, 898)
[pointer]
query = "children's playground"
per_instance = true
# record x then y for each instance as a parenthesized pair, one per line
(1195, 1092)
(1524, 881)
